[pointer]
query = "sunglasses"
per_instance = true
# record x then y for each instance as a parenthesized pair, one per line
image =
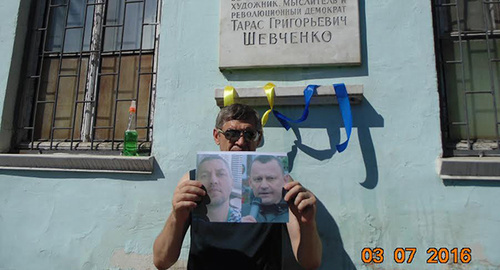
(233, 135)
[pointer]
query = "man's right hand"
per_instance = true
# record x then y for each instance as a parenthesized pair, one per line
(167, 246)
(187, 194)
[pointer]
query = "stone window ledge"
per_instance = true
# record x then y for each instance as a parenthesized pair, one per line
(469, 168)
(77, 163)
(290, 95)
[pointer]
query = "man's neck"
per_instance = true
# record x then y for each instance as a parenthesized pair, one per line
(218, 213)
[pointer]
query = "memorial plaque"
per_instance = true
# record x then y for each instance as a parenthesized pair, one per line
(271, 33)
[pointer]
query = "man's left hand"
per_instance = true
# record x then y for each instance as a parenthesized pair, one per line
(301, 201)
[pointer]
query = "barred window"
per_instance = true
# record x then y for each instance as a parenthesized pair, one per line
(468, 56)
(86, 61)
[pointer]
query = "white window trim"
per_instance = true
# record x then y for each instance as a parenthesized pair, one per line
(64, 162)
(469, 168)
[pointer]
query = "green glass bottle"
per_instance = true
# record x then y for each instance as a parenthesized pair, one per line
(130, 138)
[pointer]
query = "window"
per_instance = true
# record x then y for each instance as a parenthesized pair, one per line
(468, 57)
(86, 61)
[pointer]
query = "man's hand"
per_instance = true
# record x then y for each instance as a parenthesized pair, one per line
(304, 236)
(167, 246)
(301, 201)
(186, 195)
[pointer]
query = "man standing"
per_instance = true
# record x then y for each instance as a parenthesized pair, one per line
(239, 245)
(214, 173)
(267, 179)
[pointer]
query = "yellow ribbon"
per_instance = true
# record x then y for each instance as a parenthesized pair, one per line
(269, 89)
(228, 95)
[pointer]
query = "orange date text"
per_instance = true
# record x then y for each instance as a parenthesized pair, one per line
(406, 255)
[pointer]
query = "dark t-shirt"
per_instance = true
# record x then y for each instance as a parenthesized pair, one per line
(235, 246)
(242, 246)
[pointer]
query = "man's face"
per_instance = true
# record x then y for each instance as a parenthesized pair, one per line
(239, 145)
(267, 181)
(217, 179)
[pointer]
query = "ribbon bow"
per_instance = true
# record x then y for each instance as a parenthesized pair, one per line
(228, 95)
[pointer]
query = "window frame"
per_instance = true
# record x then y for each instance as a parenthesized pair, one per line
(466, 160)
(466, 147)
(26, 109)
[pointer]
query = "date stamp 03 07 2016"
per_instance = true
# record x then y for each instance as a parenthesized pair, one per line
(406, 254)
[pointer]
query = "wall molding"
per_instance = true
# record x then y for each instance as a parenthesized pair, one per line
(290, 95)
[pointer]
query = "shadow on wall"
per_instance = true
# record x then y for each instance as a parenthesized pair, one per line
(471, 183)
(157, 174)
(334, 255)
(328, 117)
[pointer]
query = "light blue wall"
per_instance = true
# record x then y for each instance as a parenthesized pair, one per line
(383, 191)
(11, 46)
(8, 13)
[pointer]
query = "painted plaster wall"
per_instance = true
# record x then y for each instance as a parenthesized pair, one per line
(11, 46)
(383, 191)
(8, 13)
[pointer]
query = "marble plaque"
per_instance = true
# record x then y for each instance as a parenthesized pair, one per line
(273, 33)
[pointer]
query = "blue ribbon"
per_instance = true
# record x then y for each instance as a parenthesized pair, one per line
(345, 109)
(308, 93)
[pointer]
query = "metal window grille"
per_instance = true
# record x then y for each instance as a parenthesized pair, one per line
(468, 57)
(87, 60)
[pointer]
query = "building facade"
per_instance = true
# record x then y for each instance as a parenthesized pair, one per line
(387, 190)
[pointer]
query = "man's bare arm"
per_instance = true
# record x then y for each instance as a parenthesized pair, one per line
(167, 246)
(302, 228)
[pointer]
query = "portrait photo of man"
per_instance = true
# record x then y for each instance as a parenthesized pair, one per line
(266, 179)
(215, 174)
